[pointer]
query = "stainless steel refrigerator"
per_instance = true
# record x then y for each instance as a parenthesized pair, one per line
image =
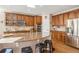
(72, 29)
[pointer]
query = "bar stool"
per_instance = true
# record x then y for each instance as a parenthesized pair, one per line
(27, 50)
(39, 47)
(7, 50)
(48, 46)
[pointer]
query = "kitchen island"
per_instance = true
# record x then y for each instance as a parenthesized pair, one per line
(20, 40)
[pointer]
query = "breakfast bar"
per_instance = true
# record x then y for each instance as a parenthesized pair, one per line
(18, 40)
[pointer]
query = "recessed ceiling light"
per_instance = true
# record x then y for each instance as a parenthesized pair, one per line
(31, 6)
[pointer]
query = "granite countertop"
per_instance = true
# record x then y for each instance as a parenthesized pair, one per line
(58, 28)
(10, 39)
(38, 38)
(17, 37)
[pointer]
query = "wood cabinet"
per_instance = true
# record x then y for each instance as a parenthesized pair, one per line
(30, 20)
(58, 20)
(54, 35)
(19, 17)
(61, 19)
(12, 18)
(63, 34)
(59, 36)
(66, 17)
(72, 15)
(38, 20)
(77, 13)
(55, 20)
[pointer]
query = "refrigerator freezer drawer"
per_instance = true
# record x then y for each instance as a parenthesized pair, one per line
(72, 41)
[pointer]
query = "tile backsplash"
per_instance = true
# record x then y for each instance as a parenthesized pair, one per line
(58, 28)
(16, 28)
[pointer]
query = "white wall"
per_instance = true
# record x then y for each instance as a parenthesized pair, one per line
(45, 25)
(2, 22)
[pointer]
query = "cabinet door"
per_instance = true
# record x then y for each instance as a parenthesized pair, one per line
(53, 20)
(31, 20)
(63, 34)
(52, 35)
(19, 17)
(57, 20)
(77, 13)
(66, 17)
(55, 35)
(7, 18)
(59, 36)
(27, 20)
(39, 20)
(10, 18)
(61, 19)
(35, 18)
(72, 15)
(24, 18)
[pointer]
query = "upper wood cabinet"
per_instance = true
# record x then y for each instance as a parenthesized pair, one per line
(72, 15)
(58, 20)
(31, 21)
(12, 18)
(55, 20)
(77, 13)
(19, 17)
(38, 20)
(61, 19)
(35, 20)
(26, 20)
(66, 17)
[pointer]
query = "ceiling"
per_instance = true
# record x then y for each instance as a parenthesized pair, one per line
(39, 9)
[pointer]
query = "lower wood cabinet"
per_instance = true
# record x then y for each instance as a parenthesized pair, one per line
(58, 35)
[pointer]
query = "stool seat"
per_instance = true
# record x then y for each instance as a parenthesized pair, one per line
(40, 46)
(26, 50)
(7, 50)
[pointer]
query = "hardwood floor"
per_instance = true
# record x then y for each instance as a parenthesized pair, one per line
(63, 48)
